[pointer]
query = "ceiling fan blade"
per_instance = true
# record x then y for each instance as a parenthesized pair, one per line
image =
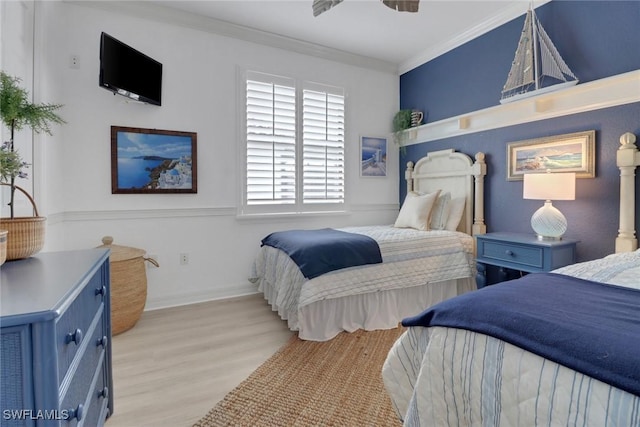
(402, 5)
(320, 6)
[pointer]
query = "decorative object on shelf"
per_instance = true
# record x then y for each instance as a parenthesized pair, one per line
(401, 122)
(572, 152)
(128, 284)
(26, 234)
(536, 58)
(416, 118)
(167, 163)
(548, 222)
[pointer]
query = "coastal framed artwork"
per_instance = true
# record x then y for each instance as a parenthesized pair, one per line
(152, 161)
(572, 152)
(373, 156)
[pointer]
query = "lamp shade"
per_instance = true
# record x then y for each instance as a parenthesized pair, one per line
(549, 186)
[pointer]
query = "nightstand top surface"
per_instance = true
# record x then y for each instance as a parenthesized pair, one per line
(525, 238)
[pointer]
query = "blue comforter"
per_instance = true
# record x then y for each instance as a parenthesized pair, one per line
(319, 251)
(590, 327)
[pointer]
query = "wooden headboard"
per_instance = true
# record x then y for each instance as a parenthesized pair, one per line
(447, 170)
(628, 158)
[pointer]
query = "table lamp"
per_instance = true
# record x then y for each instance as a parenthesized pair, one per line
(548, 222)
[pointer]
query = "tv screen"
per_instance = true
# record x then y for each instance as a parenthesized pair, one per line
(127, 72)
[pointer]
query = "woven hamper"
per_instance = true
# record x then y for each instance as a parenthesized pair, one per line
(128, 284)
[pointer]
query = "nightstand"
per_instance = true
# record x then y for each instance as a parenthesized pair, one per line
(521, 252)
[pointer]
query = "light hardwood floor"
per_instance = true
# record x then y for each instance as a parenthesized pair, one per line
(177, 363)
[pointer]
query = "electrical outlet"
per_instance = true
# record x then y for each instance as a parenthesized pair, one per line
(184, 259)
(74, 61)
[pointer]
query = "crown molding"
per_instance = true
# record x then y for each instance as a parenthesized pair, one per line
(508, 14)
(159, 13)
(604, 93)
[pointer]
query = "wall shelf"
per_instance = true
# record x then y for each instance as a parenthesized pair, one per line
(608, 92)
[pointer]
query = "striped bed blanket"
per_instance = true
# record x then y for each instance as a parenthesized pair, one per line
(449, 376)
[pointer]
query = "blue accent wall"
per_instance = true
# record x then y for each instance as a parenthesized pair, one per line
(597, 39)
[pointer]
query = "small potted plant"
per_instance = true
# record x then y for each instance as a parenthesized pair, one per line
(401, 122)
(25, 234)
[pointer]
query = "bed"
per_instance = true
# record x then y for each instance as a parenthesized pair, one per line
(419, 267)
(458, 364)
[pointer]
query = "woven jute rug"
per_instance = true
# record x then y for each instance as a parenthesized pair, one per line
(306, 383)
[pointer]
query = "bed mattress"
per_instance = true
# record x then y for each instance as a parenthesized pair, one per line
(447, 376)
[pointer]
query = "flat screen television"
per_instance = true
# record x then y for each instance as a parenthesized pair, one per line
(128, 72)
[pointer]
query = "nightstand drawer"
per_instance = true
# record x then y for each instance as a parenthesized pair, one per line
(514, 254)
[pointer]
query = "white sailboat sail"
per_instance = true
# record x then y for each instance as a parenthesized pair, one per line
(536, 58)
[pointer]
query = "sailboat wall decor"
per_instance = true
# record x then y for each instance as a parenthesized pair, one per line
(537, 67)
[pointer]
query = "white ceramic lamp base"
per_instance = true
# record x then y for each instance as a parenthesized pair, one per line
(548, 222)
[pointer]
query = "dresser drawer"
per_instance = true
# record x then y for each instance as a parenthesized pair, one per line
(512, 253)
(74, 323)
(96, 413)
(92, 354)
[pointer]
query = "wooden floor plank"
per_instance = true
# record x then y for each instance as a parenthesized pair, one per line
(177, 363)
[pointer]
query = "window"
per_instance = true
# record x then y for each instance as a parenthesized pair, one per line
(294, 146)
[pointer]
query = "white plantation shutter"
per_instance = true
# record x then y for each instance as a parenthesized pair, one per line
(271, 140)
(294, 146)
(323, 147)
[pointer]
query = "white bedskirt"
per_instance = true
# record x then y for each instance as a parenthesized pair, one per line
(323, 320)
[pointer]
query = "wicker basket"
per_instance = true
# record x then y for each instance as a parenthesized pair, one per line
(128, 284)
(26, 234)
(3, 246)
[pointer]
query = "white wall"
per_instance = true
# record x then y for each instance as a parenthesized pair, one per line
(200, 94)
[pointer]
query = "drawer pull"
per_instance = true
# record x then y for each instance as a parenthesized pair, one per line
(102, 290)
(77, 413)
(75, 337)
(508, 252)
(102, 342)
(104, 393)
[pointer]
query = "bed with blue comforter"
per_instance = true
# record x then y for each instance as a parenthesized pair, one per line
(550, 349)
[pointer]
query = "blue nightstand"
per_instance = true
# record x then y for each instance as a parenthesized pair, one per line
(521, 252)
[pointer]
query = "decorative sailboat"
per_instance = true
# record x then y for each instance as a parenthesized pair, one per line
(535, 61)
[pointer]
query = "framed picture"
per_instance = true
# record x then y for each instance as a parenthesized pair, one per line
(153, 161)
(373, 155)
(573, 152)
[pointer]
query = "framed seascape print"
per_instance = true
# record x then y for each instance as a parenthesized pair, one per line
(573, 152)
(153, 161)
(373, 156)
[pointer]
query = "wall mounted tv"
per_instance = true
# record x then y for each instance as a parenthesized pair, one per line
(127, 72)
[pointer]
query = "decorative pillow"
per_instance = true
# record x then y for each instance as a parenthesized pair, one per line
(456, 207)
(416, 211)
(440, 212)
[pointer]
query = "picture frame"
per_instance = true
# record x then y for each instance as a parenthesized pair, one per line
(373, 157)
(153, 161)
(572, 152)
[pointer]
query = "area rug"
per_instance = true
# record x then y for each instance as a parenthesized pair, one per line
(306, 383)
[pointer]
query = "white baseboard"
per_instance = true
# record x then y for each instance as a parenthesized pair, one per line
(196, 297)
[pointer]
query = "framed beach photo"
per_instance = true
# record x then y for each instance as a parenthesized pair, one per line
(373, 156)
(573, 152)
(153, 161)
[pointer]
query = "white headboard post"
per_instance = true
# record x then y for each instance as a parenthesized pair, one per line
(628, 158)
(479, 171)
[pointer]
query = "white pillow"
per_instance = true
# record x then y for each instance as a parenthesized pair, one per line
(416, 210)
(440, 212)
(456, 207)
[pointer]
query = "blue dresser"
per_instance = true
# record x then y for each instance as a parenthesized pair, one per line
(55, 352)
